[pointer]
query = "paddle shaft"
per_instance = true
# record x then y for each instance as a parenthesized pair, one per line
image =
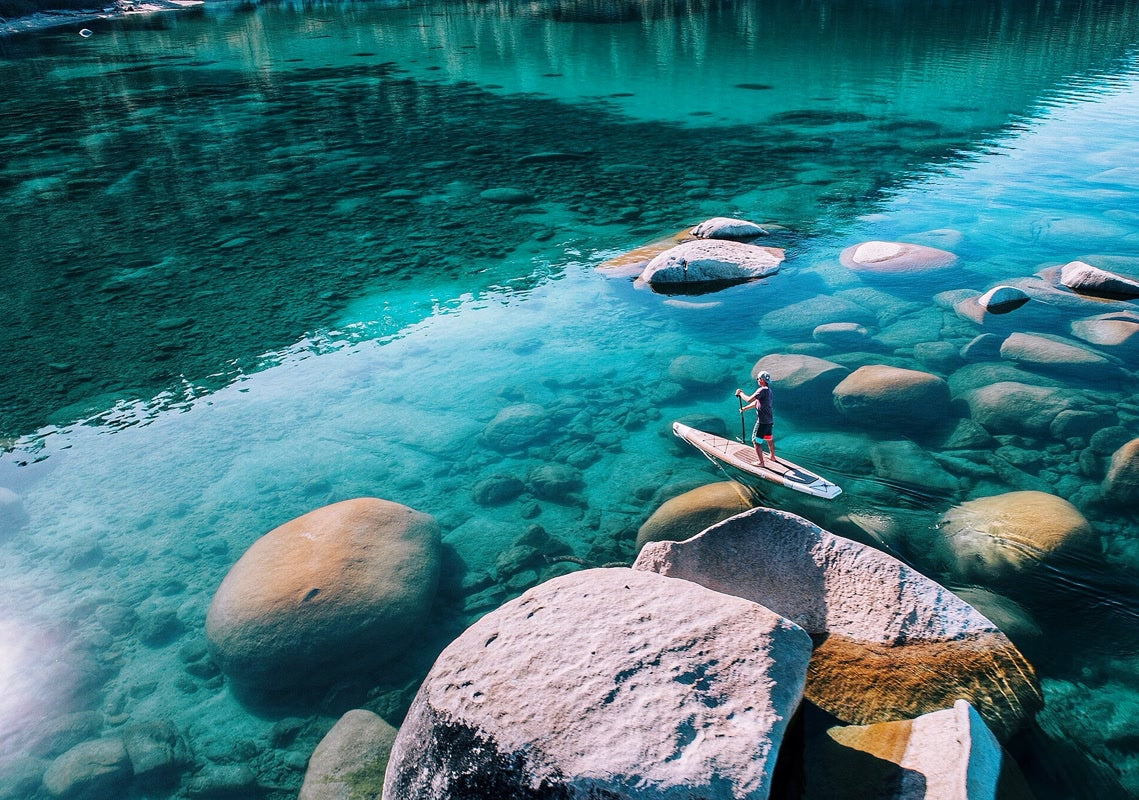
(743, 421)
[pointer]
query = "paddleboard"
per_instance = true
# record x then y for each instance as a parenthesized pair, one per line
(742, 457)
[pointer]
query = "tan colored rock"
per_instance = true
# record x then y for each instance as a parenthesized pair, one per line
(872, 615)
(340, 589)
(998, 538)
(633, 263)
(605, 683)
(351, 759)
(880, 395)
(1013, 407)
(688, 514)
(1121, 485)
(943, 755)
(895, 258)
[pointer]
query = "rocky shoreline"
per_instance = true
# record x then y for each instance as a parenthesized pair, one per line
(50, 20)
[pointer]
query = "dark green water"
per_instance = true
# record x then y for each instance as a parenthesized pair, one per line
(248, 259)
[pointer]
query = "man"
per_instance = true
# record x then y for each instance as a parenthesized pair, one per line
(764, 418)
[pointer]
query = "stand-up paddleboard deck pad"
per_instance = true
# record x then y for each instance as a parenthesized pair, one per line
(742, 457)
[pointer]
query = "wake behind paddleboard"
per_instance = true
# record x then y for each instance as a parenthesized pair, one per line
(743, 458)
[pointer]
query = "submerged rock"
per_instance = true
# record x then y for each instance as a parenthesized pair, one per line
(518, 426)
(895, 258)
(798, 321)
(881, 395)
(711, 261)
(1053, 353)
(871, 614)
(739, 230)
(1013, 407)
(338, 590)
(96, 769)
(633, 263)
(1121, 485)
(605, 683)
(1002, 299)
(350, 760)
(802, 384)
(1116, 330)
(996, 539)
(1084, 278)
(688, 514)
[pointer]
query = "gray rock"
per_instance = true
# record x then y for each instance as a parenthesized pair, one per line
(872, 614)
(699, 371)
(1003, 299)
(157, 752)
(843, 335)
(904, 463)
(555, 482)
(943, 357)
(507, 196)
(985, 347)
(222, 782)
(728, 228)
(711, 261)
(1084, 278)
(350, 761)
(497, 489)
(99, 768)
(516, 427)
(605, 683)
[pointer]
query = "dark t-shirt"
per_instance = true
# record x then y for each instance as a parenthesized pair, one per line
(764, 414)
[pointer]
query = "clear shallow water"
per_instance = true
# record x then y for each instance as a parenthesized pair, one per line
(250, 248)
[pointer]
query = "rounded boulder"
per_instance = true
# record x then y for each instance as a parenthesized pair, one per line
(335, 591)
(1121, 485)
(688, 514)
(803, 384)
(711, 261)
(880, 395)
(895, 258)
(997, 538)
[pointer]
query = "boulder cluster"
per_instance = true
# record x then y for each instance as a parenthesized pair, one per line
(683, 675)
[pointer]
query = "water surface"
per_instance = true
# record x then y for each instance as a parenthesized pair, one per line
(251, 271)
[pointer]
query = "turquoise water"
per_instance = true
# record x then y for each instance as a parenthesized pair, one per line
(250, 271)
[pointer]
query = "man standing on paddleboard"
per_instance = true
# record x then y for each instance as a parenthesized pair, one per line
(764, 417)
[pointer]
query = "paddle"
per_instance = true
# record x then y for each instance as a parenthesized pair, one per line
(743, 421)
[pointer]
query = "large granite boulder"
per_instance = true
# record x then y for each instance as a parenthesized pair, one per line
(948, 755)
(351, 759)
(1086, 279)
(699, 371)
(1117, 331)
(802, 384)
(608, 683)
(739, 230)
(797, 322)
(1053, 354)
(997, 539)
(1121, 484)
(518, 426)
(895, 258)
(871, 615)
(705, 261)
(1014, 407)
(687, 514)
(340, 589)
(883, 396)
